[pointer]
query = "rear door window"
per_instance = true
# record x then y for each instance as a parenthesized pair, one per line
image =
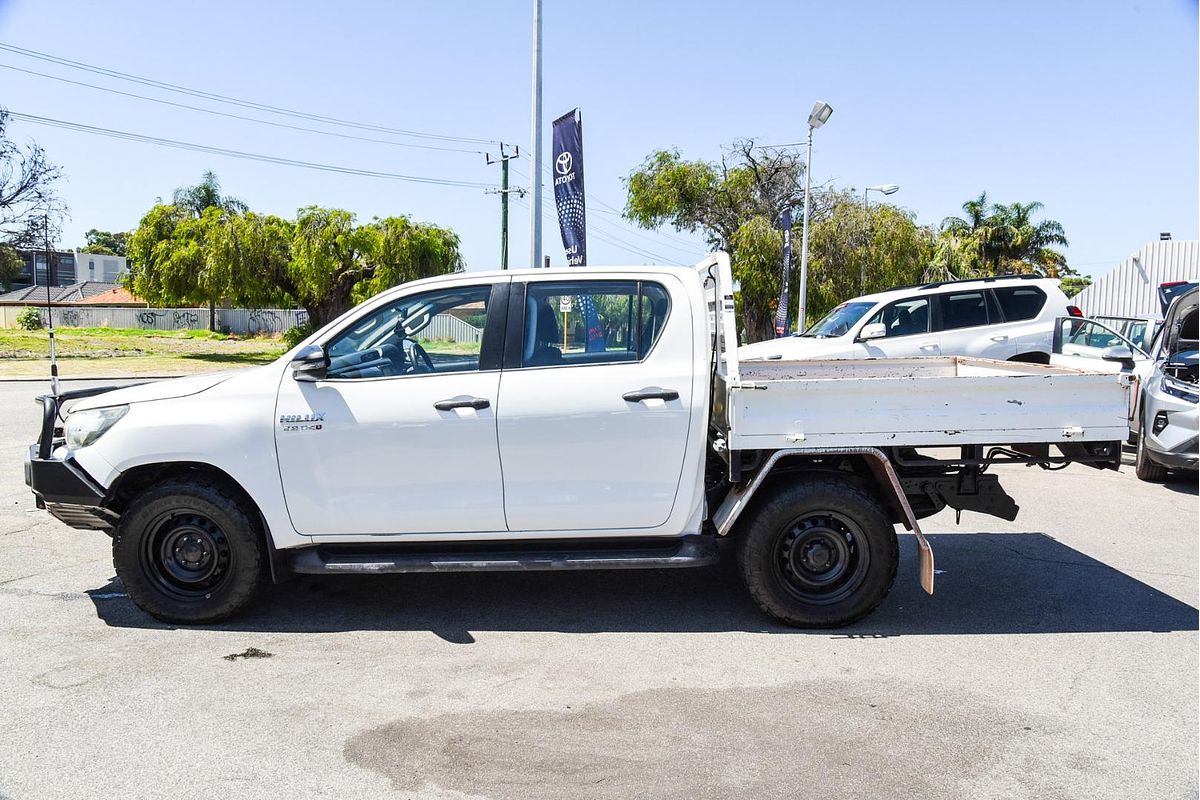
(962, 310)
(1020, 302)
(592, 322)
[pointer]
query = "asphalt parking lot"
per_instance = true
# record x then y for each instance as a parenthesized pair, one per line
(1058, 659)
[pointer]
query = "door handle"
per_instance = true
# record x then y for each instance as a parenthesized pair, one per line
(930, 346)
(462, 401)
(650, 393)
(999, 338)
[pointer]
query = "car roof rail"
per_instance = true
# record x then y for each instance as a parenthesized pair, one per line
(1025, 276)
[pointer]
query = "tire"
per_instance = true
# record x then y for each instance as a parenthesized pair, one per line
(188, 551)
(818, 554)
(1036, 357)
(1144, 467)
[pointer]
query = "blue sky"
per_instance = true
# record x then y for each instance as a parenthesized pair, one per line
(1089, 107)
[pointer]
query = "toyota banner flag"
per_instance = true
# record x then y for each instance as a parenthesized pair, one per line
(568, 186)
(781, 314)
(572, 220)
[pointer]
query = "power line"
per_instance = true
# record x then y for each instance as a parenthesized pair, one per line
(650, 236)
(241, 117)
(171, 87)
(221, 151)
(611, 210)
(613, 240)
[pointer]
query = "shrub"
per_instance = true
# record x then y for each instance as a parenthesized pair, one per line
(30, 319)
(293, 336)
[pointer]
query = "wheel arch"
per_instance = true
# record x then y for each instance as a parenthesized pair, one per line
(137, 479)
(865, 467)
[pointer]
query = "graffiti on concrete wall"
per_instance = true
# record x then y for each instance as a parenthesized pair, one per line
(150, 318)
(70, 317)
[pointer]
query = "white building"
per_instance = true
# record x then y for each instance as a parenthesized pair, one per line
(1130, 289)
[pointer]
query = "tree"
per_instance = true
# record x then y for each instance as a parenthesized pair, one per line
(205, 195)
(11, 266)
(323, 261)
(736, 204)
(27, 199)
(992, 239)
(336, 263)
(106, 243)
(855, 251)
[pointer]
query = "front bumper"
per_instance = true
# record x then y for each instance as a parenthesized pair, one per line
(1177, 445)
(60, 485)
(67, 492)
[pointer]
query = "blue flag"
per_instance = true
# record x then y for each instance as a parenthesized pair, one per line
(568, 186)
(570, 200)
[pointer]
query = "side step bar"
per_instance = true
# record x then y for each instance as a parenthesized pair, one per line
(688, 551)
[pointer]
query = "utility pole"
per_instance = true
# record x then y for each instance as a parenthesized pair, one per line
(504, 191)
(535, 172)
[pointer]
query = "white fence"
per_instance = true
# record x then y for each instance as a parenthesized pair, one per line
(229, 320)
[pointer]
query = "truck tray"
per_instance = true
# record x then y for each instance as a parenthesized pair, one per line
(917, 402)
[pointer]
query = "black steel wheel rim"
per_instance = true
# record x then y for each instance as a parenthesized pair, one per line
(186, 555)
(821, 557)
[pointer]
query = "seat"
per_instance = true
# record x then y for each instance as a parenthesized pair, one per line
(903, 324)
(545, 338)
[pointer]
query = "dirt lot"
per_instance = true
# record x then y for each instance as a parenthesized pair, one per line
(1058, 659)
(94, 352)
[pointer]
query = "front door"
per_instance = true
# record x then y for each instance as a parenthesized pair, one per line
(401, 435)
(596, 404)
(906, 323)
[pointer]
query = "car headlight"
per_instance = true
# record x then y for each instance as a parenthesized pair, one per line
(85, 427)
(1179, 389)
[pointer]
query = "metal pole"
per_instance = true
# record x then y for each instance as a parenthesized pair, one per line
(801, 319)
(49, 306)
(503, 211)
(535, 172)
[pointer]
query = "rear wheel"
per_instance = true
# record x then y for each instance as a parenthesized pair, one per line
(820, 553)
(1144, 467)
(188, 551)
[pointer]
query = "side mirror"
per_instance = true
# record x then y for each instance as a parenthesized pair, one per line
(876, 330)
(1119, 353)
(310, 364)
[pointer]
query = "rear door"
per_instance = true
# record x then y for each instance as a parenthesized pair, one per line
(966, 323)
(595, 403)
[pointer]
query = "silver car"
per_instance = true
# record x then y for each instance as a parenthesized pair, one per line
(1167, 412)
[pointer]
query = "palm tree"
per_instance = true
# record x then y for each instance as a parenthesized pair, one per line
(204, 195)
(1032, 243)
(997, 237)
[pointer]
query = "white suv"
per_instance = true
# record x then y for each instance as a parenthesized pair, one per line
(1006, 318)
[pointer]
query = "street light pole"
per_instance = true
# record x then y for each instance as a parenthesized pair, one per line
(883, 188)
(535, 172)
(817, 117)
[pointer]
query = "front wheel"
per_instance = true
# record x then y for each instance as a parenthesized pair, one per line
(820, 553)
(188, 551)
(1144, 467)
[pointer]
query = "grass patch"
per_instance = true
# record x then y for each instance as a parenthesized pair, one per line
(116, 351)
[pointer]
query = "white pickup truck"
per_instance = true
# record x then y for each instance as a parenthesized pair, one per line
(549, 420)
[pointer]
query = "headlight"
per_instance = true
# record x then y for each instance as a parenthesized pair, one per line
(85, 427)
(1179, 389)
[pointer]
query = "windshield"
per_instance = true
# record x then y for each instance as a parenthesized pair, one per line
(839, 321)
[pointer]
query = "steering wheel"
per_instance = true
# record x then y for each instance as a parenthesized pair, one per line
(419, 352)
